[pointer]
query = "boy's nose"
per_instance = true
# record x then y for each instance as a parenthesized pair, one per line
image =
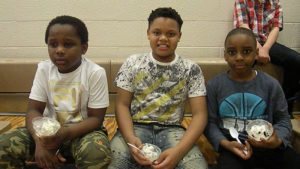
(239, 56)
(163, 37)
(60, 51)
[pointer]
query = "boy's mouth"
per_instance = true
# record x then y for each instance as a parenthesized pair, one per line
(239, 66)
(162, 46)
(60, 62)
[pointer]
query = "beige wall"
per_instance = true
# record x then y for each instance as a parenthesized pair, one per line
(117, 28)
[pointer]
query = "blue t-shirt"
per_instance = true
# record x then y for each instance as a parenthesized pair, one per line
(235, 104)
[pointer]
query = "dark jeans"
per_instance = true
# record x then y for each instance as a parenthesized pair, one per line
(261, 158)
(290, 61)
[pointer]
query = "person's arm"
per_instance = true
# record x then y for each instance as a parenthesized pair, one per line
(93, 121)
(125, 124)
(271, 38)
(44, 158)
(197, 124)
(123, 116)
(35, 109)
(281, 121)
(264, 56)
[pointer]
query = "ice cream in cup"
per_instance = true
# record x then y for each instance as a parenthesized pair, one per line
(45, 126)
(151, 151)
(259, 128)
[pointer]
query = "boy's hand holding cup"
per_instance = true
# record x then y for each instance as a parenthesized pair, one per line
(47, 129)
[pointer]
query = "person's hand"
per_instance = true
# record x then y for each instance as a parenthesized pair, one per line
(167, 159)
(138, 156)
(47, 158)
(273, 142)
(263, 56)
(53, 142)
(238, 148)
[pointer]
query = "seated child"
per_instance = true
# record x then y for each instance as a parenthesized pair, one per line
(153, 89)
(71, 89)
(243, 94)
(265, 19)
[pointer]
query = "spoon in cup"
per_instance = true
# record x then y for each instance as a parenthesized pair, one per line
(136, 148)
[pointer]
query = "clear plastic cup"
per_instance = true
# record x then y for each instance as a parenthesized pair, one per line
(259, 128)
(45, 126)
(151, 151)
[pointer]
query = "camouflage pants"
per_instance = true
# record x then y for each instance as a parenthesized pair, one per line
(90, 151)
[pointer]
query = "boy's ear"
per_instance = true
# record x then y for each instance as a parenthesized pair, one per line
(224, 54)
(256, 53)
(179, 36)
(84, 48)
(148, 34)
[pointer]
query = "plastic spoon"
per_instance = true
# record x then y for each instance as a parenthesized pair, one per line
(136, 148)
(233, 132)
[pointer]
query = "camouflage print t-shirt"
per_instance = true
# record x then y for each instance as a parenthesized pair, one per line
(160, 90)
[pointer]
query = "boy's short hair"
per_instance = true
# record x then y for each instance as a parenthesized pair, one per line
(240, 30)
(167, 13)
(75, 22)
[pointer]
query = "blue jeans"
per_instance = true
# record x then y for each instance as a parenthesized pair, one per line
(164, 137)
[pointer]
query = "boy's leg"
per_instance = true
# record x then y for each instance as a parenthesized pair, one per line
(228, 160)
(91, 150)
(16, 147)
(169, 137)
(122, 158)
(277, 158)
(291, 159)
(290, 61)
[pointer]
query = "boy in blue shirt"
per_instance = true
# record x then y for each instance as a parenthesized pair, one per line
(153, 89)
(243, 94)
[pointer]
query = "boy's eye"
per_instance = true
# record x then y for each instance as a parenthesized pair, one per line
(68, 44)
(246, 51)
(53, 44)
(156, 33)
(171, 34)
(231, 52)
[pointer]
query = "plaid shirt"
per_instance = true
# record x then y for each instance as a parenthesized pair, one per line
(261, 17)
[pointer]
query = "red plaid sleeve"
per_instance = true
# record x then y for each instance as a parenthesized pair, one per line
(278, 18)
(240, 15)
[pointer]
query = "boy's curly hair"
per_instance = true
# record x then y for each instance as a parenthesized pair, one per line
(167, 13)
(75, 22)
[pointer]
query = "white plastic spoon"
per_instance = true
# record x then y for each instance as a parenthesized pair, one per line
(136, 148)
(234, 133)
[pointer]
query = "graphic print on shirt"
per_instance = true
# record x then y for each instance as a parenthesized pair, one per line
(238, 108)
(162, 101)
(66, 101)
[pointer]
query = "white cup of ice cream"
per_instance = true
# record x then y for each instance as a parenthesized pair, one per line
(45, 126)
(151, 151)
(259, 128)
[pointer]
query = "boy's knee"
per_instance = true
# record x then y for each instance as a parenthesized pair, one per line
(14, 143)
(93, 156)
(93, 151)
(121, 154)
(193, 160)
(197, 162)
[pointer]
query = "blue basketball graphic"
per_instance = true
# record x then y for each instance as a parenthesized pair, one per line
(243, 106)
